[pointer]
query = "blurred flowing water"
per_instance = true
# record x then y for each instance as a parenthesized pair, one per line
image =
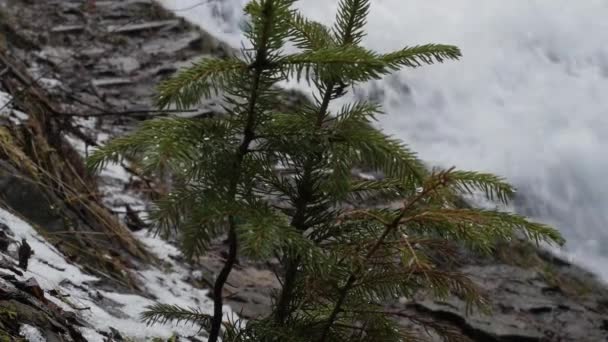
(528, 101)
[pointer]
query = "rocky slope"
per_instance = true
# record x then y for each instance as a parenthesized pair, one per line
(90, 63)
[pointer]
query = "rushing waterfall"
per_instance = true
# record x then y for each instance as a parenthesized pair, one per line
(528, 101)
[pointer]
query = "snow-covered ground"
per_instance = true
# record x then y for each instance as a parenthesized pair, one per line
(107, 309)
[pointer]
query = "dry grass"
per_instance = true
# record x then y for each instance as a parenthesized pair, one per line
(39, 151)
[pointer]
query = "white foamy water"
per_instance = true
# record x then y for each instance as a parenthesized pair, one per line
(528, 101)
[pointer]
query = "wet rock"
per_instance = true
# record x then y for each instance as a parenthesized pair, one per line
(125, 64)
(520, 308)
(24, 196)
(25, 307)
(170, 46)
(115, 335)
(93, 52)
(68, 28)
(110, 305)
(249, 287)
(4, 239)
(151, 25)
(55, 55)
(32, 287)
(8, 264)
(111, 82)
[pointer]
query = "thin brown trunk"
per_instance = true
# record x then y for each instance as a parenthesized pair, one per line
(259, 65)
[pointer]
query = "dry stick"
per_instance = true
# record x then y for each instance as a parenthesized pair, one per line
(389, 228)
(258, 66)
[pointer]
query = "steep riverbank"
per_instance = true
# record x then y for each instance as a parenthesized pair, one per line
(92, 63)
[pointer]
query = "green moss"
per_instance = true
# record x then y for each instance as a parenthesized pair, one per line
(5, 336)
(8, 321)
(8, 312)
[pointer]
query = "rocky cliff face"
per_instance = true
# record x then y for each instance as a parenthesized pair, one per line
(67, 70)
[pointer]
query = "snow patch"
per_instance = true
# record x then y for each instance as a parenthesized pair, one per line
(31, 334)
(91, 335)
(4, 99)
(105, 308)
(49, 83)
(14, 115)
(45, 256)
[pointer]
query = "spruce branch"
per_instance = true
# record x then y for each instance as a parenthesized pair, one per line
(489, 225)
(164, 313)
(265, 232)
(493, 187)
(448, 333)
(480, 228)
(309, 35)
(170, 142)
(416, 56)
(350, 21)
(203, 79)
(381, 191)
(432, 184)
(353, 63)
(376, 151)
(270, 24)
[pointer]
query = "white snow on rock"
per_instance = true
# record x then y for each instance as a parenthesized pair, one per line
(44, 256)
(31, 334)
(92, 335)
(4, 99)
(14, 115)
(49, 83)
(104, 309)
(109, 309)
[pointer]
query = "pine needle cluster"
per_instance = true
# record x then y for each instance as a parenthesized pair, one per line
(280, 184)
